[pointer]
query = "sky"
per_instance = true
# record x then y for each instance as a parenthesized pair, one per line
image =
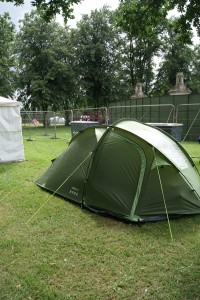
(85, 7)
(88, 5)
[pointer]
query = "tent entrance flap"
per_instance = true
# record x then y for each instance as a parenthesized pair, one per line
(114, 179)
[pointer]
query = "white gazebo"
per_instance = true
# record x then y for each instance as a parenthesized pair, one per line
(11, 140)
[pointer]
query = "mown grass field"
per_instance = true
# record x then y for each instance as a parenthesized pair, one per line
(52, 249)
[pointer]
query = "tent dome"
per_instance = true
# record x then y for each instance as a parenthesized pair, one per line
(130, 170)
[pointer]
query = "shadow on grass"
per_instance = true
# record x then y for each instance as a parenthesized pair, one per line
(180, 226)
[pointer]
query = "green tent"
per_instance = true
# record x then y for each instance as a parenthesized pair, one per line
(129, 169)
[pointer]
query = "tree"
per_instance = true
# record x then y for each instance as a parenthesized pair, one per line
(45, 75)
(189, 11)
(7, 63)
(97, 48)
(195, 71)
(176, 57)
(49, 9)
(143, 34)
(189, 14)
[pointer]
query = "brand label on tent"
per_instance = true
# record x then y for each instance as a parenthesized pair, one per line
(74, 191)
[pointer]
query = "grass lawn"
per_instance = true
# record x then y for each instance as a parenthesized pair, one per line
(52, 249)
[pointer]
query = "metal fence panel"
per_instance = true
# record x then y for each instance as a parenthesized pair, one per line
(184, 110)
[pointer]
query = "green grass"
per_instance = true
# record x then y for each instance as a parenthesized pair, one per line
(52, 249)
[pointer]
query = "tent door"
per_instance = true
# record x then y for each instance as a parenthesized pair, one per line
(115, 175)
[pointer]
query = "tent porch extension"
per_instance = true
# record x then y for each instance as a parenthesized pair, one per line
(129, 169)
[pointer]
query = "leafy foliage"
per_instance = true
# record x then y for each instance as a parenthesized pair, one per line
(49, 9)
(97, 49)
(176, 57)
(195, 71)
(143, 31)
(189, 12)
(46, 78)
(98, 62)
(7, 62)
(140, 18)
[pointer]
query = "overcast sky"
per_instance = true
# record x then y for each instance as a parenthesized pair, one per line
(17, 12)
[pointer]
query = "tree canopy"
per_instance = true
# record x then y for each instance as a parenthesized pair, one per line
(6, 56)
(176, 57)
(50, 8)
(189, 13)
(144, 38)
(97, 47)
(189, 10)
(97, 62)
(45, 76)
(195, 71)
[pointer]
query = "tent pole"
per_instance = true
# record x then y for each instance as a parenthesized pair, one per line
(58, 188)
(191, 125)
(163, 195)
